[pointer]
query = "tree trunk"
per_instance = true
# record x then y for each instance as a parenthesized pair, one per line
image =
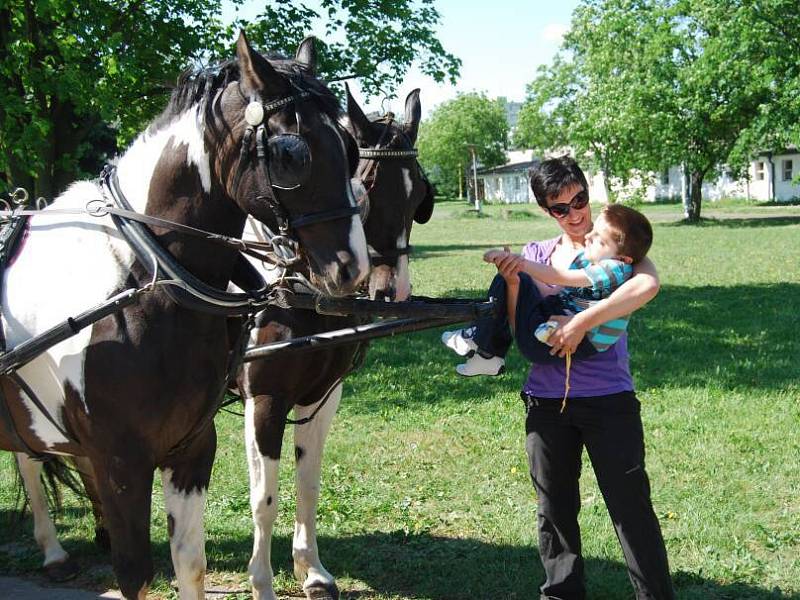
(695, 197)
(610, 196)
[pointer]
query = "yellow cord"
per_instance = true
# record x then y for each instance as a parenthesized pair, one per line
(566, 382)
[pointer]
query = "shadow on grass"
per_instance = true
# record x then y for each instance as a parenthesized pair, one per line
(428, 250)
(425, 566)
(734, 337)
(738, 223)
(409, 566)
(741, 337)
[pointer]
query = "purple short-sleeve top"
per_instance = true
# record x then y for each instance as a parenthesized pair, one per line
(600, 375)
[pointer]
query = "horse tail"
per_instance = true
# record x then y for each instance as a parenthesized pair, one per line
(55, 473)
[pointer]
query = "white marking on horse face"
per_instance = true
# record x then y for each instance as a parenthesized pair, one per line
(408, 181)
(402, 275)
(357, 237)
(384, 278)
(136, 170)
(187, 542)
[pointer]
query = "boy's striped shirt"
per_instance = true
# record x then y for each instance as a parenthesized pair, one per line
(602, 279)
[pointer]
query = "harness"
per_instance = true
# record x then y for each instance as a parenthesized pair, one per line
(181, 286)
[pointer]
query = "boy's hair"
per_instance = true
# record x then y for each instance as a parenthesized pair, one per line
(553, 175)
(631, 230)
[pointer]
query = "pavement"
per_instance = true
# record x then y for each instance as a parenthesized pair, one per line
(21, 589)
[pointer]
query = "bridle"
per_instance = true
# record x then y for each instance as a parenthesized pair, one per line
(284, 242)
(367, 173)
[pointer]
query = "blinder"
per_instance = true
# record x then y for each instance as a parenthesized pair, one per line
(285, 161)
(289, 161)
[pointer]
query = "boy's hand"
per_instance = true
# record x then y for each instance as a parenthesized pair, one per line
(508, 264)
(493, 255)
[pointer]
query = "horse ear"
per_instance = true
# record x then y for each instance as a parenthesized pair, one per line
(358, 120)
(425, 209)
(413, 115)
(257, 75)
(306, 55)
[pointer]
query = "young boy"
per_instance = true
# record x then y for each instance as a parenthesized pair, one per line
(620, 238)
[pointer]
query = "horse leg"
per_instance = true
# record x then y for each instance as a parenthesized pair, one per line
(263, 432)
(84, 468)
(185, 483)
(57, 564)
(309, 441)
(124, 485)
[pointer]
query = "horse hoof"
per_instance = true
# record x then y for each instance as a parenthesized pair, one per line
(321, 591)
(102, 539)
(61, 571)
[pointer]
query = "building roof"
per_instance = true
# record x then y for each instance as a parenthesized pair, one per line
(518, 167)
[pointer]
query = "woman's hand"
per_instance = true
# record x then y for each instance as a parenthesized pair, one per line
(567, 337)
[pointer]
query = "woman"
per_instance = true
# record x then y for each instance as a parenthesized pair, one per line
(602, 411)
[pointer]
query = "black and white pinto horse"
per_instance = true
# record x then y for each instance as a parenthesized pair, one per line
(138, 389)
(311, 383)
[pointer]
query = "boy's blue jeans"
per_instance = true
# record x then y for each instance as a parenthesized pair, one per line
(493, 334)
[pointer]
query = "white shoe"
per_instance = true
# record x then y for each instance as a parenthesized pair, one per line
(460, 341)
(544, 331)
(478, 365)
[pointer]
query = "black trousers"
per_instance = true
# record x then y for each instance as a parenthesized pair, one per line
(493, 333)
(610, 427)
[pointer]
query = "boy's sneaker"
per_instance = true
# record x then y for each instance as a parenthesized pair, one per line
(460, 341)
(481, 365)
(545, 330)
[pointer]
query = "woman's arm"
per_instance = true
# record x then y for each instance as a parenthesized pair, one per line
(629, 297)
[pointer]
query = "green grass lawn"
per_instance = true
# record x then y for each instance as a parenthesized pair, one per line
(425, 487)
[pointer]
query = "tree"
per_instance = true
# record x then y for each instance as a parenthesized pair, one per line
(444, 137)
(652, 83)
(70, 69)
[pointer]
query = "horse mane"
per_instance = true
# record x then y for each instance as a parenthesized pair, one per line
(199, 86)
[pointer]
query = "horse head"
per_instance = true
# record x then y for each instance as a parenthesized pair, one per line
(395, 192)
(283, 158)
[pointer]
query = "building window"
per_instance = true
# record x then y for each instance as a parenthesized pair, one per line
(787, 170)
(759, 170)
(665, 177)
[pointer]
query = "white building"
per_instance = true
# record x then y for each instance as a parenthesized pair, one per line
(770, 177)
(508, 183)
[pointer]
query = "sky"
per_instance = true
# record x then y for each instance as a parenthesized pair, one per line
(501, 43)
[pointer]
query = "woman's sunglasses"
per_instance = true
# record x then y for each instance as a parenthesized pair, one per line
(561, 210)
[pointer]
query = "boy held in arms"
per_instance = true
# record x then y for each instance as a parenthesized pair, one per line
(620, 238)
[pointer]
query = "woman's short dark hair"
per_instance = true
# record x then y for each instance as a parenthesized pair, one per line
(550, 177)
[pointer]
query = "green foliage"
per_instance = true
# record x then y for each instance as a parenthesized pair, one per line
(640, 84)
(71, 69)
(444, 137)
(375, 41)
